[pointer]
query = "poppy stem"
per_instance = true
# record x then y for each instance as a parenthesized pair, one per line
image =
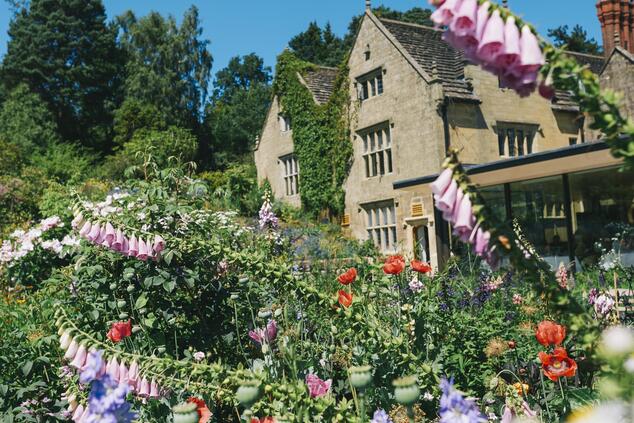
(541, 377)
(563, 396)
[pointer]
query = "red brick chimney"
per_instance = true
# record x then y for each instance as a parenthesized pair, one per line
(617, 24)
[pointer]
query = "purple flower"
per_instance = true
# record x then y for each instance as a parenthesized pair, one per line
(604, 304)
(592, 296)
(454, 408)
(262, 335)
(93, 368)
(380, 416)
(267, 218)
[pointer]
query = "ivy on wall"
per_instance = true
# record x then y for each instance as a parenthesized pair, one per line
(321, 134)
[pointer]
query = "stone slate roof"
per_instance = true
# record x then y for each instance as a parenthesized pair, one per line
(321, 82)
(436, 57)
(563, 99)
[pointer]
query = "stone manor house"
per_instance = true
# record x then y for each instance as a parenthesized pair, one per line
(415, 97)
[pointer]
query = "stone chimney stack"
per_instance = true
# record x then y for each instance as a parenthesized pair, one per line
(368, 4)
(617, 24)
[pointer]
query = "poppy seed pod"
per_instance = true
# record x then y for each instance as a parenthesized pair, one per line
(406, 390)
(248, 393)
(186, 412)
(361, 376)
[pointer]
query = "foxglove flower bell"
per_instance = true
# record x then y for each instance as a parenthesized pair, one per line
(499, 46)
(115, 239)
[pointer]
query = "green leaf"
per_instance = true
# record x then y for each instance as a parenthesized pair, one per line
(169, 285)
(140, 302)
(26, 368)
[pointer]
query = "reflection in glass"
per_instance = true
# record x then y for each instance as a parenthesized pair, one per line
(538, 205)
(602, 215)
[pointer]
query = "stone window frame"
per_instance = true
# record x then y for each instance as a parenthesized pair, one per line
(377, 150)
(370, 84)
(515, 139)
(290, 174)
(380, 224)
(284, 122)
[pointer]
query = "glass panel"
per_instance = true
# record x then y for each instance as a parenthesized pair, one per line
(393, 215)
(379, 136)
(389, 160)
(602, 215)
(365, 144)
(520, 142)
(377, 237)
(379, 83)
(367, 166)
(393, 229)
(386, 239)
(369, 213)
(381, 163)
(372, 141)
(501, 140)
(372, 86)
(529, 142)
(296, 184)
(384, 213)
(494, 198)
(373, 164)
(538, 207)
(388, 137)
(365, 90)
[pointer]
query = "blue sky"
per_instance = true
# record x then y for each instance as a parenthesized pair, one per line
(264, 27)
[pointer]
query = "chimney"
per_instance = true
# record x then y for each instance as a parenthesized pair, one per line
(368, 4)
(617, 24)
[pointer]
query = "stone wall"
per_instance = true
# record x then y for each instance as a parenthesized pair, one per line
(619, 76)
(409, 104)
(274, 144)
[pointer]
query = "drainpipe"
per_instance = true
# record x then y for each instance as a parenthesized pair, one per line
(445, 123)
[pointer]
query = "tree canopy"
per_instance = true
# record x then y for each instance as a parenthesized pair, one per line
(576, 39)
(238, 107)
(167, 66)
(65, 52)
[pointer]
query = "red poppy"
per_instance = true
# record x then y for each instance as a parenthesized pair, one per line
(119, 330)
(348, 277)
(550, 333)
(557, 364)
(345, 299)
(420, 266)
(204, 414)
(394, 265)
(264, 420)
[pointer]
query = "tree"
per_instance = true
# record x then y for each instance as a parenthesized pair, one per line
(324, 47)
(237, 109)
(26, 122)
(64, 51)
(318, 46)
(575, 40)
(168, 67)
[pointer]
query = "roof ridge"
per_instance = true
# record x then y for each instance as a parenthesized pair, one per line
(410, 24)
(576, 53)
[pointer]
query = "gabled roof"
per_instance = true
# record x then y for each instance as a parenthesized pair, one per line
(320, 81)
(438, 60)
(618, 49)
(563, 99)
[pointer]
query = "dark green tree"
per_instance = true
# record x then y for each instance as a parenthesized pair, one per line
(238, 107)
(26, 122)
(64, 51)
(576, 39)
(324, 47)
(168, 67)
(319, 46)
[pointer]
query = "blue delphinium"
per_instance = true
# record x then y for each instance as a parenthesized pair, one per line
(380, 416)
(107, 399)
(454, 408)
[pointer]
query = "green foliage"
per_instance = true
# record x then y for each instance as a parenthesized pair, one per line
(575, 40)
(320, 134)
(19, 197)
(26, 122)
(133, 116)
(167, 66)
(237, 188)
(63, 162)
(75, 74)
(318, 46)
(236, 113)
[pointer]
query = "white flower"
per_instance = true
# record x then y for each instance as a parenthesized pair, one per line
(604, 304)
(26, 246)
(612, 412)
(618, 340)
(415, 285)
(70, 241)
(50, 223)
(629, 365)
(427, 396)
(199, 356)
(18, 233)
(32, 234)
(53, 245)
